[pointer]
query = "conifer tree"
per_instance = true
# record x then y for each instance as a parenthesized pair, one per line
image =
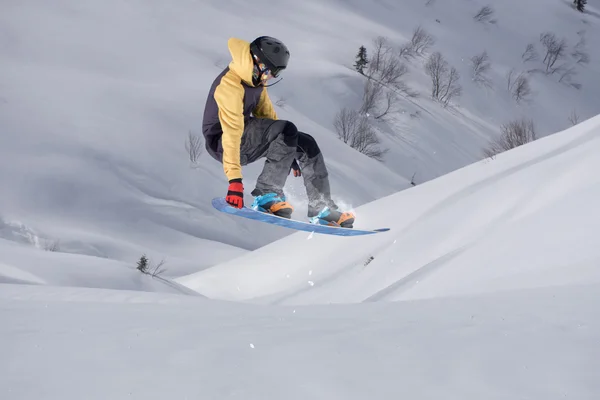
(580, 4)
(361, 60)
(142, 264)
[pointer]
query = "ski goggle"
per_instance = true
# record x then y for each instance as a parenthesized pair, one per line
(264, 72)
(277, 71)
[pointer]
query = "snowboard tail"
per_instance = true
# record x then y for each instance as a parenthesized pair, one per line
(220, 204)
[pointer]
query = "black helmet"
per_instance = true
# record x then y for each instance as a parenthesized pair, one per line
(272, 52)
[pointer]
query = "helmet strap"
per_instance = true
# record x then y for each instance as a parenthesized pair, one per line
(273, 83)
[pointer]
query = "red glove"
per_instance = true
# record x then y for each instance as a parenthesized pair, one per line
(296, 169)
(235, 193)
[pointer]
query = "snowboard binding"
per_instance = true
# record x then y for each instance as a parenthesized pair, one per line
(333, 218)
(272, 203)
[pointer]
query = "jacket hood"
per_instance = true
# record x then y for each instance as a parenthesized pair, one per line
(241, 59)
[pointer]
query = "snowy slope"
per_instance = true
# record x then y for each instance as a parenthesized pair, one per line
(99, 344)
(96, 101)
(23, 266)
(525, 219)
(512, 315)
(496, 271)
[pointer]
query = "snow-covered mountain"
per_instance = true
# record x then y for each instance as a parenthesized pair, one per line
(486, 286)
(97, 101)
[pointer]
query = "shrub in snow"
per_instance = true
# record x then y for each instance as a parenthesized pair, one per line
(193, 146)
(513, 134)
(485, 15)
(574, 118)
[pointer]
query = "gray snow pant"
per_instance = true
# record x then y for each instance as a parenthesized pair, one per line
(280, 142)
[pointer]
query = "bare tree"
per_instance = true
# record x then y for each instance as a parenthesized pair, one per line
(509, 78)
(574, 118)
(158, 269)
(485, 14)
(421, 41)
(193, 146)
(530, 53)
(355, 130)
(555, 50)
(452, 88)
(384, 65)
(480, 64)
(368, 144)
(381, 49)
(349, 123)
(521, 88)
(375, 96)
(418, 45)
(392, 71)
(406, 51)
(518, 85)
(436, 67)
(512, 134)
(385, 72)
(444, 80)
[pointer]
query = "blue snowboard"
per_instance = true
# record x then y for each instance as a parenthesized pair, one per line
(220, 204)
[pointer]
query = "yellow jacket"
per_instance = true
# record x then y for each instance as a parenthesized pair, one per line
(236, 97)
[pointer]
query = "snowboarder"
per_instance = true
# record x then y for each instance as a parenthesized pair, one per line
(240, 126)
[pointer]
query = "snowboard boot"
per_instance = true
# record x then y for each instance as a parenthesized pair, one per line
(331, 217)
(272, 203)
